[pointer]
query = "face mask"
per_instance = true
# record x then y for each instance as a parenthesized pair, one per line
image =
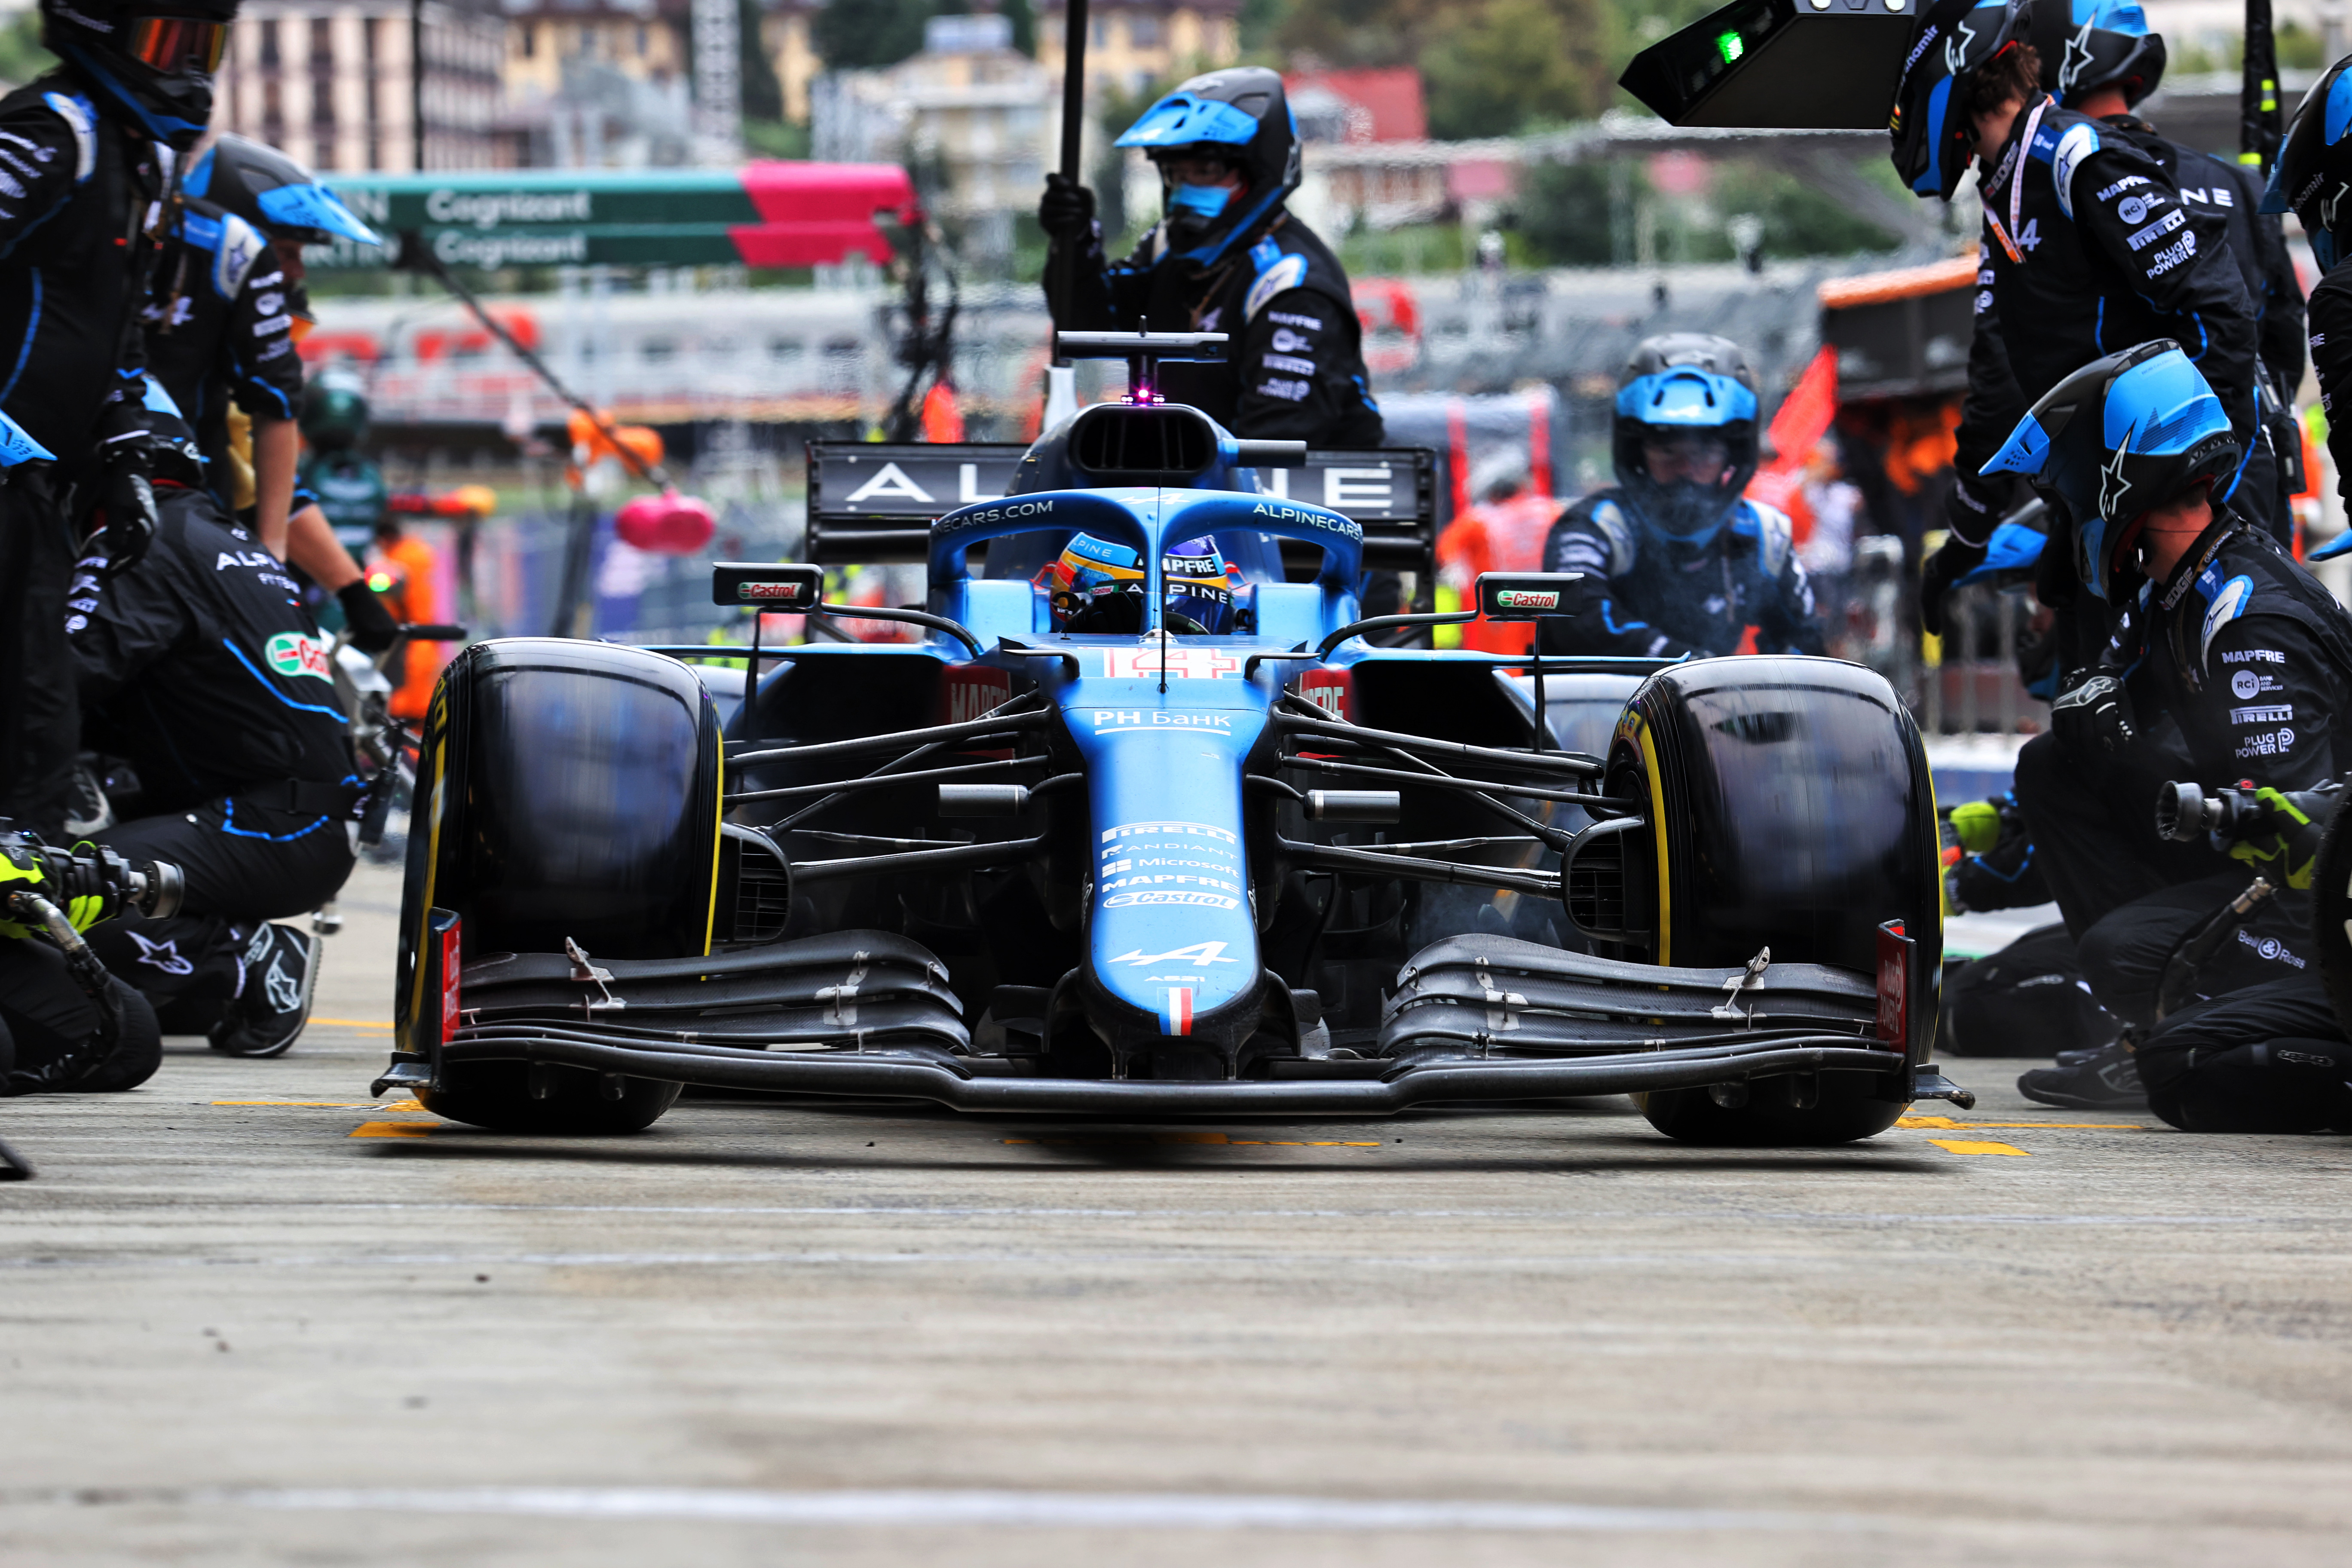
(1199, 202)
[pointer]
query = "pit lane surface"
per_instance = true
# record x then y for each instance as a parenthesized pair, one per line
(247, 1315)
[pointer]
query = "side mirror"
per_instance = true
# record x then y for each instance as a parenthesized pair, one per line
(1524, 595)
(780, 586)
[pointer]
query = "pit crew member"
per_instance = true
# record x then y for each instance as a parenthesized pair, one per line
(2312, 179)
(1226, 257)
(202, 668)
(1672, 558)
(2106, 65)
(2224, 635)
(86, 152)
(2087, 248)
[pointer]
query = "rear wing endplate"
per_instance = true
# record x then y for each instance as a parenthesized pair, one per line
(874, 503)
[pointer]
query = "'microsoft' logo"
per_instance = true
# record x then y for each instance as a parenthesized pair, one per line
(292, 654)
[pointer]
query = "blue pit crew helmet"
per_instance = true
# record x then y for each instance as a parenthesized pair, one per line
(273, 192)
(2086, 44)
(1241, 116)
(2120, 437)
(1933, 135)
(2314, 173)
(1676, 387)
(1098, 586)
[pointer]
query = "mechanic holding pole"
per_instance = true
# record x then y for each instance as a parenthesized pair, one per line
(1672, 558)
(1226, 257)
(2088, 246)
(86, 154)
(2221, 631)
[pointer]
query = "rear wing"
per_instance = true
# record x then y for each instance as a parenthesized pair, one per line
(871, 502)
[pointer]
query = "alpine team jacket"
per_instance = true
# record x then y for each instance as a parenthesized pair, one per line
(1293, 367)
(2089, 249)
(1650, 596)
(75, 189)
(219, 327)
(2248, 653)
(2234, 194)
(2330, 323)
(200, 666)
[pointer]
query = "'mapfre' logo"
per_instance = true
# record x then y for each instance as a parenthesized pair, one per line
(1525, 599)
(293, 654)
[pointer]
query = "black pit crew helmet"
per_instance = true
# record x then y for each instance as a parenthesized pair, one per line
(154, 59)
(2119, 438)
(2314, 173)
(2086, 44)
(272, 192)
(1239, 115)
(1686, 389)
(1932, 132)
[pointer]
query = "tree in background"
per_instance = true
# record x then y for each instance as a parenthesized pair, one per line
(21, 55)
(1510, 64)
(865, 35)
(763, 94)
(1024, 24)
(1583, 215)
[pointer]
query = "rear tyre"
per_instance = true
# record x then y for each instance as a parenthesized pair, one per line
(568, 791)
(1800, 817)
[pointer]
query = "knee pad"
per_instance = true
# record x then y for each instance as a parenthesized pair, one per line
(2272, 1085)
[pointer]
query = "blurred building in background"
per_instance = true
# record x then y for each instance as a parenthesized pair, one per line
(1131, 43)
(969, 114)
(339, 87)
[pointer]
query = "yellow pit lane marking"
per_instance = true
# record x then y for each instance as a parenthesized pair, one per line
(1966, 1146)
(331, 1104)
(354, 1023)
(1945, 1121)
(396, 1129)
(1213, 1137)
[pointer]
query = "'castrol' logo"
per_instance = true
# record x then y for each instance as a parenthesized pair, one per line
(1527, 599)
(786, 591)
(291, 653)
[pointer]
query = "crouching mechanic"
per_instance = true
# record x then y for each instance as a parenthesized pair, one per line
(2225, 637)
(202, 668)
(1672, 558)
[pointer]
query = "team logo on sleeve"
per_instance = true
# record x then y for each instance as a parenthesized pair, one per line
(293, 654)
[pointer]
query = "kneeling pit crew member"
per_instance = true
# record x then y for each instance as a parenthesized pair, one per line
(201, 668)
(1672, 558)
(2223, 634)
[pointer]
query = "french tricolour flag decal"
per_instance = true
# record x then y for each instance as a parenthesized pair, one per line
(1176, 1013)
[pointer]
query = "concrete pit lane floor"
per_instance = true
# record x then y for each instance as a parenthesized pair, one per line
(249, 1316)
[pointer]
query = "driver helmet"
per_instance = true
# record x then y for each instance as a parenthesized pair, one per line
(2086, 44)
(154, 62)
(2314, 171)
(2115, 440)
(273, 192)
(1240, 119)
(1933, 135)
(1098, 586)
(1684, 440)
(334, 414)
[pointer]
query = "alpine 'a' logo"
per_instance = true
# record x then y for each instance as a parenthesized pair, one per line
(1199, 953)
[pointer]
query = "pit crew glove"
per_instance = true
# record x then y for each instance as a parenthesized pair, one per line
(2288, 853)
(1955, 560)
(128, 503)
(1066, 211)
(2092, 713)
(1972, 509)
(373, 629)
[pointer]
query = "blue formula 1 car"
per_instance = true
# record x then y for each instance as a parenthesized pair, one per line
(1146, 828)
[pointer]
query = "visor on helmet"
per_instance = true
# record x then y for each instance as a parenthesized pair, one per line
(1098, 586)
(176, 44)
